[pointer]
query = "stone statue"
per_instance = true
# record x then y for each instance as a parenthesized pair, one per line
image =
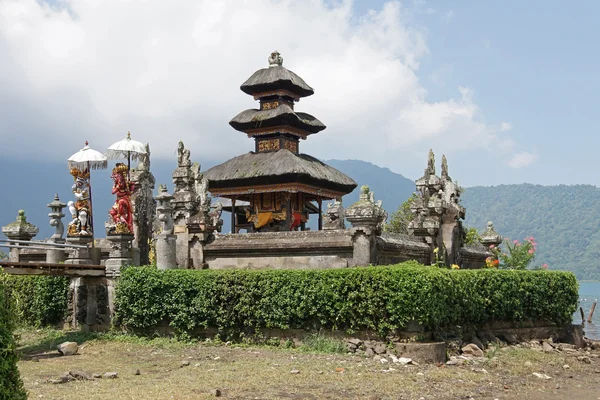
(121, 212)
(275, 59)
(81, 213)
(183, 155)
(334, 216)
(215, 216)
(201, 187)
(144, 164)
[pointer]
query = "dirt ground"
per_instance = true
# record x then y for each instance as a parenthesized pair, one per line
(175, 370)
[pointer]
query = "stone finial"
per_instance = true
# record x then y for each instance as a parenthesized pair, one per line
(490, 236)
(275, 59)
(367, 214)
(56, 215)
(430, 170)
(20, 229)
(445, 168)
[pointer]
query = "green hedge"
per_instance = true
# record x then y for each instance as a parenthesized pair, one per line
(11, 386)
(379, 298)
(39, 300)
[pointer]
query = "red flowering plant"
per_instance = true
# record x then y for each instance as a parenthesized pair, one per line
(518, 255)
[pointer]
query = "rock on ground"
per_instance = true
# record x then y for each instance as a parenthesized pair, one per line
(472, 350)
(68, 348)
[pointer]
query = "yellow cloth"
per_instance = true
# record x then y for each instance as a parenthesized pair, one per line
(263, 218)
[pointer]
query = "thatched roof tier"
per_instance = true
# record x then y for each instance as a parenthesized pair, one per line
(278, 171)
(276, 77)
(280, 115)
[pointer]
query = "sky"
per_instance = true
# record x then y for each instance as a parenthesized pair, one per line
(506, 90)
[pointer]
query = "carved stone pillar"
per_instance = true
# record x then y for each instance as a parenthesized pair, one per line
(166, 241)
(79, 255)
(144, 208)
(367, 219)
(119, 254)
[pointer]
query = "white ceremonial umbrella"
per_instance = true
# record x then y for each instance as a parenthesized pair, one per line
(126, 148)
(89, 159)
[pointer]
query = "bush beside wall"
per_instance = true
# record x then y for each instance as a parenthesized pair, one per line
(39, 300)
(11, 386)
(383, 299)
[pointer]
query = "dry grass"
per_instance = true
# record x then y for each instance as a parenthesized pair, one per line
(260, 372)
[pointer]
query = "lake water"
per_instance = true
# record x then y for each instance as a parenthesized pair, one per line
(588, 293)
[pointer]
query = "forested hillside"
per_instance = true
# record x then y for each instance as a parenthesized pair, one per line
(564, 220)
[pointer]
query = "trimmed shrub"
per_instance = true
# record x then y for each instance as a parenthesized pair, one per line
(383, 299)
(11, 386)
(39, 300)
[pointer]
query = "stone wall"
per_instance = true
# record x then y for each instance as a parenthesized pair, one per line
(280, 250)
(396, 248)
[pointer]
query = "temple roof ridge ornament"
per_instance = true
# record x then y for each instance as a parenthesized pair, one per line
(275, 59)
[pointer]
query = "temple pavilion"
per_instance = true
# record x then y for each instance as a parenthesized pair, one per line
(278, 186)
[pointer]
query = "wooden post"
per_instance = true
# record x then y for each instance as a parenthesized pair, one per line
(591, 313)
(582, 315)
(233, 215)
(320, 202)
(288, 213)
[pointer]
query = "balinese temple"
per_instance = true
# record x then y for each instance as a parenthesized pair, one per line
(279, 186)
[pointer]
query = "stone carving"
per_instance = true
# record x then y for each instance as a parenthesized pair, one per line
(275, 59)
(121, 212)
(445, 168)
(164, 209)
(81, 211)
(56, 215)
(201, 188)
(333, 218)
(183, 155)
(144, 206)
(366, 213)
(185, 201)
(215, 216)
(437, 211)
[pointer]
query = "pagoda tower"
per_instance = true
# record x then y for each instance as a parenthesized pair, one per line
(281, 185)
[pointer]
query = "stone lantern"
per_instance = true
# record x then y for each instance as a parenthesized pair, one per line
(56, 215)
(19, 229)
(166, 241)
(490, 236)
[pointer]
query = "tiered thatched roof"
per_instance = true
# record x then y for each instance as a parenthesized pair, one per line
(281, 166)
(276, 78)
(280, 115)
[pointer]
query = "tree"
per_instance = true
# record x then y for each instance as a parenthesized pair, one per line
(400, 218)
(11, 385)
(471, 235)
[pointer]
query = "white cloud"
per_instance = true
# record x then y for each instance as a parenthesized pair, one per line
(171, 70)
(449, 15)
(522, 159)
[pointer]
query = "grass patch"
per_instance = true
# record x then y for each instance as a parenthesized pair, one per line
(319, 343)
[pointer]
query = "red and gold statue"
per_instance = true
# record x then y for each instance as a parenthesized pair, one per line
(122, 211)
